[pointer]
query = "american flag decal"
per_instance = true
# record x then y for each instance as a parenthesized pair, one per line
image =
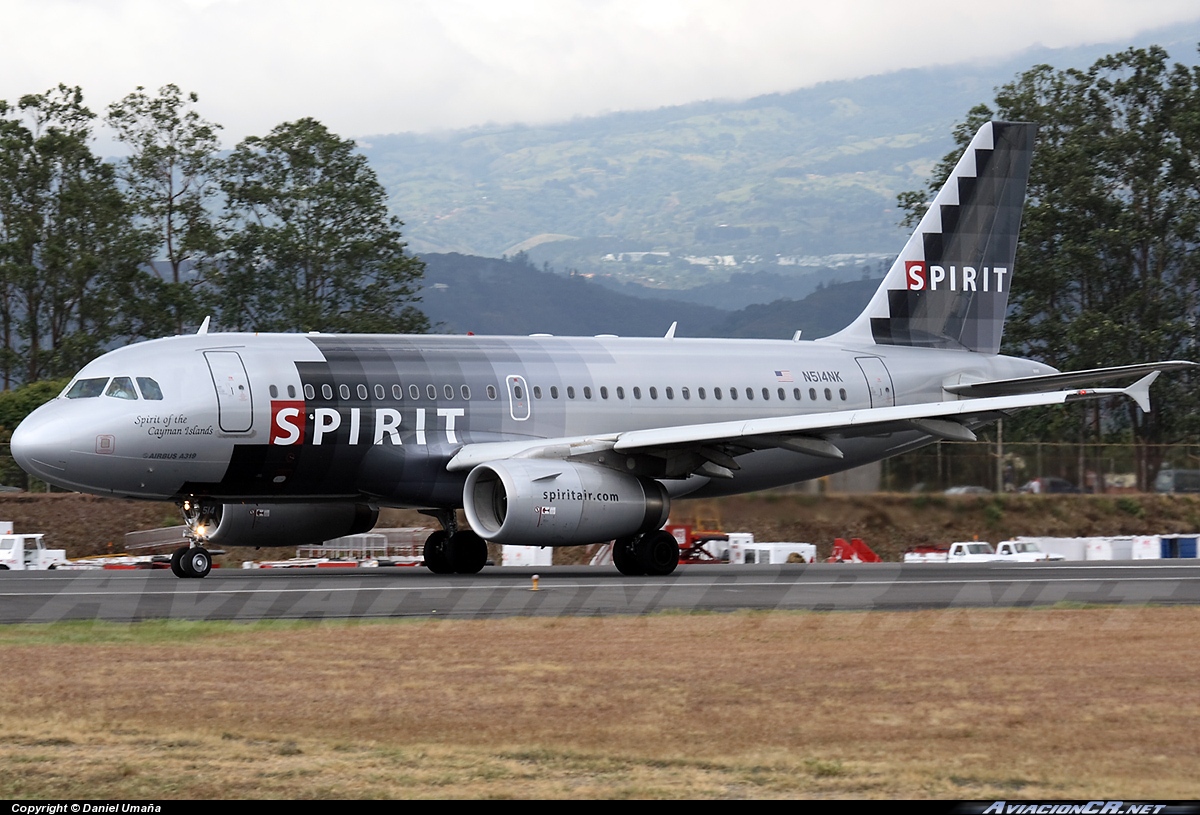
(784, 376)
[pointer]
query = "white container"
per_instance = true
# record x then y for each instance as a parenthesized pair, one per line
(512, 555)
(771, 553)
(1147, 547)
(1110, 549)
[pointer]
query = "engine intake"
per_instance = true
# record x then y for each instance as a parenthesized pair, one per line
(560, 503)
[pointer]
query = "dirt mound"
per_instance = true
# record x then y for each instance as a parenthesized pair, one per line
(889, 523)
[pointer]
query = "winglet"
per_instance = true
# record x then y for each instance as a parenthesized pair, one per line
(1140, 391)
(670, 335)
(204, 326)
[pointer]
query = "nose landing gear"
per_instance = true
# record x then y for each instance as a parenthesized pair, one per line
(191, 561)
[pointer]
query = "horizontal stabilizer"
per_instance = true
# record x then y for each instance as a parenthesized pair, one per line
(1074, 379)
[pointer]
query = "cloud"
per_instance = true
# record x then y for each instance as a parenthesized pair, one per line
(373, 66)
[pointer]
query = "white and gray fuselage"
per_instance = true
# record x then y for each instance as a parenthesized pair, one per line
(281, 418)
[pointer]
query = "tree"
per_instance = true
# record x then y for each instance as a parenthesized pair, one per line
(170, 177)
(1107, 265)
(308, 241)
(67, 242)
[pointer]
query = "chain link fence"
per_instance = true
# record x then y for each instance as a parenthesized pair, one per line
(1044, 467)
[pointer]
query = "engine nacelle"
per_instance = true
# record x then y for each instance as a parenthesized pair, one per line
(277, 524)
(560, 503)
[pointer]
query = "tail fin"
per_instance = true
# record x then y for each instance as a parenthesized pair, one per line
(949, 286)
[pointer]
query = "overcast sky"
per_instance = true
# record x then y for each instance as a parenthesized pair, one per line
(367, 67)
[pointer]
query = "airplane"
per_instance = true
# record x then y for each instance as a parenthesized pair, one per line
(288, 439)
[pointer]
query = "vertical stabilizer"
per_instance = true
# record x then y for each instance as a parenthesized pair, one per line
(949, 286)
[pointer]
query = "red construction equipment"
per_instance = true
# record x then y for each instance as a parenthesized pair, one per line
(692, 543)
(853, 552)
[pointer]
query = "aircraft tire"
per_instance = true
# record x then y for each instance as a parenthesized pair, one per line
(197, 562)
(625, 557)
(468, 552)
(658, 553)
(437, 553)
(177, 562)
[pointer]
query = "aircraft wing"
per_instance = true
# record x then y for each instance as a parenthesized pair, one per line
(814, 433)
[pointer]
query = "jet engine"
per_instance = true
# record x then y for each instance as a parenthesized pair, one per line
(560, 503)
(276, 524)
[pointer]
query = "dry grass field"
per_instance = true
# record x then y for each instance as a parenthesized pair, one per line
(963, 704)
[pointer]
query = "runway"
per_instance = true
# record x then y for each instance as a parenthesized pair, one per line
(253, 595)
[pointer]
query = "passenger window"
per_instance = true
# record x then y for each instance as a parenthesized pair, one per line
(767, 393)
(344, 391)
(700, 393)
(309, 392)
(685, 393)
(842, 393)
(570, 391)
(603, 391)
(653, 392)
(121, 388)
(397, 392)
(274, 392)
(749, 393)
(379, 392)
(362, 392)
(537, 391)
(828, 395)
(466, 392)
(795, 394)
(620, 392)
(812, 394)
(414, 392)
(149, 388)
(491, 391)
(716, 393)
(554, 391)
(733, 393)
(637, 392)
(670, 393)
(449, 391)
(587, 392)
(431, 392)
(87, 388)
(291, 392)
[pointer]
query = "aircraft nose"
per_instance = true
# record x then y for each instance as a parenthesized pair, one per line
(40, 446)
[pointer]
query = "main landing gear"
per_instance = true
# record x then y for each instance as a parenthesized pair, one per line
(454, 551)
(191, 561)
(653, 553)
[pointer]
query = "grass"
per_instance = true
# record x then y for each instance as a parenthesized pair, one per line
(1058, 702)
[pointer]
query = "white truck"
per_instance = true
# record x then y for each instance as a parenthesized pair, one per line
(958, 552)
(28, 552)
(1024, 552)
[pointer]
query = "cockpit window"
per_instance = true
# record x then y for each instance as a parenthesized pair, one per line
(150, 388)
(86, 388)
(121, 388)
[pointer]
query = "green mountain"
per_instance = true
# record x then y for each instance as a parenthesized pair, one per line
(492, 296)
(685, 196)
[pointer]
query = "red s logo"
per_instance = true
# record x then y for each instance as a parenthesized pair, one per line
(287, 422)
(914, 275)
